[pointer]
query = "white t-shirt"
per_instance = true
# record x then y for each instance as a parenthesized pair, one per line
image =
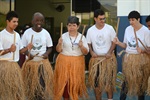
(101, 39)
(1, 48)
(41, 40)
(129, 38)
(70, 44)
(6, 40)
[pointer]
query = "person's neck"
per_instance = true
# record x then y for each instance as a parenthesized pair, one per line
(137, 27)
(37, 30)
(10, 30)
(73, 34)
(99, 26)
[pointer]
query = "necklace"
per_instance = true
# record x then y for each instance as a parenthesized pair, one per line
(73, 42)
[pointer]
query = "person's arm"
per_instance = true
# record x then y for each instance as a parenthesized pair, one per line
(11, 49)
(25, 49)
(109, 53)
(48, 51)
(59, 45)
(93, 54)
(116, 41)
(83, 49)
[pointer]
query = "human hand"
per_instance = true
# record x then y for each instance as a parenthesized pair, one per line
(94, 55)
(139, 50)
(30, 46)
(12, 48)
(148, 51)
(60, 41)
(80, 43)
(45, 56)
(108, 55)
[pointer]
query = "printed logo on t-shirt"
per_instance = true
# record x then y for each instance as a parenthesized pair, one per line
(132, 43)
(100, 41)
(37, 43)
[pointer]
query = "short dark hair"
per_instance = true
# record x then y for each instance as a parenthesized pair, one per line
(147, 18)
(98, 12)
(11, 14)
(134, 14)
(73, 19)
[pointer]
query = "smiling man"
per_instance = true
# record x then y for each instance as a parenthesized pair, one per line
(37, 69)
(11, 83)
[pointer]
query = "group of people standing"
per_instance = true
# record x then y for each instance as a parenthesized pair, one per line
(36, 80)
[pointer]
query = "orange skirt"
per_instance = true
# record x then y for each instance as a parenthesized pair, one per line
(11, 83)
(69, 70)
(103, 74)
(33, 72)
(136, 71)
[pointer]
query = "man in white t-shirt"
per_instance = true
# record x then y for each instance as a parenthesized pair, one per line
(38, 60)
(136, 61)
(10, 74)
(102, 65)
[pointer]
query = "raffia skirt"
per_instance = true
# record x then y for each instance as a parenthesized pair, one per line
(103, 74)
(148, 89)
(11, 83)
(38, 79)
(136, 71)
(69, 70)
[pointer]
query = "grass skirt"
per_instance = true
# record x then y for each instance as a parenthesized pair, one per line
(136, 71)
(148, 89)
(107, 73)
(32, 72)
(69, 69)
(11, 83)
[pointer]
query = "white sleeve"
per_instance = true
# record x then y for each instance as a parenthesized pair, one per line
(49, 42)
(20, 45)
(113, 33)
(88, 38)
(23, 40)
(85, 43)
(1, 48)
(147, 38)
(125, 37)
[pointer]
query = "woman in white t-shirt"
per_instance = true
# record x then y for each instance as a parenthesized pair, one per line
(135, 61)
(148, 51)
(69, 75)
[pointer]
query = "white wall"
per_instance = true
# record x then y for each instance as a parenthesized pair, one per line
(125, 6)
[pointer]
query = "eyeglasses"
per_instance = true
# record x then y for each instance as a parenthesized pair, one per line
(102, 19)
